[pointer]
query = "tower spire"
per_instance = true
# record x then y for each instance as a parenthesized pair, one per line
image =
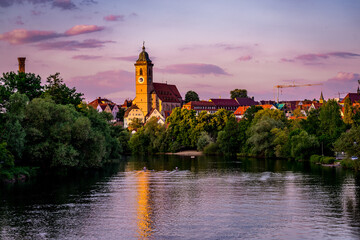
(143, 46)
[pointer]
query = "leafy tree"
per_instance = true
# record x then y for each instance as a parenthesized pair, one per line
(191, 96)
(281, 142)
(228, 138)
(6, 158)
(14, 133)
(303, 145)
(24, 83)
(349, 142)
(269, 113)
(348, 112)
(250, 112)
(135, 124)
(312, 123)
(238, 93)
(203, 141)
(261, 136)
(120, 114)
(57, 90)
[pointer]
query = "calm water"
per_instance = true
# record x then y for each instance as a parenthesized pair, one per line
(208, 198)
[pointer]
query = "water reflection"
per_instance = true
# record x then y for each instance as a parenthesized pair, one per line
(144, 210)
(208, 198)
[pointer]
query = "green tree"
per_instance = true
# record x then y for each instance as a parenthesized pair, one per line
(348, 112)
(14, 133)
(312, 123)
(191, 96)
(269, 113)
(57, 90)
(203, 141)
(120, 114)
(250, 112)
(349, 142)
(238, 93)
(24, 83)
(261, 136)
(135, 124)
(303, 145)
(228, 139)
(6, 158)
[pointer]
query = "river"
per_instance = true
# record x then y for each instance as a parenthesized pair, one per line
(207, 198)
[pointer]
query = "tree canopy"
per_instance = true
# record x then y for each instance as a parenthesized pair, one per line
(191, 96)
(238, 93)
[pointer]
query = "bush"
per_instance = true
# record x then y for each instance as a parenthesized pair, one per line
(203, 141)
(315, 159)
(327, 160)
(350, 164)
(211, 149)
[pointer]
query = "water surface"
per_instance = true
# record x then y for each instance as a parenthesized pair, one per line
(208, 198)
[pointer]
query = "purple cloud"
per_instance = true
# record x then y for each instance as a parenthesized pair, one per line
(244, 58)
(85, 57)
(310, 58)
(64, 4)
(194, 69)
(104, 83)
(72, 45)
(22, 36)
(36, 13)
(113, 18)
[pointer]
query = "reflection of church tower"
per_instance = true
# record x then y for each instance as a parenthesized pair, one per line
(321, 100)
(144, 82)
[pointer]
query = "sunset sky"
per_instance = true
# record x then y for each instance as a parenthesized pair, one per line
(207, 46)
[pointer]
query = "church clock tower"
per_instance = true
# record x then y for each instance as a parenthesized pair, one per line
(144, 82)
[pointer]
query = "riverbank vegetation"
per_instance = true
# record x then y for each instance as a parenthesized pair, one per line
(261, 133)
(48, 128)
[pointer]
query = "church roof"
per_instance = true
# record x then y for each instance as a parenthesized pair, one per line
(144, 56)
(167, 92)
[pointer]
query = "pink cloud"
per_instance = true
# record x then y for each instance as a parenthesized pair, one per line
(244, 58)
(85, 57)
(21, 36)
(81, 29)
(194, 69)
(112, 18)
(72, 45)
(104, 83)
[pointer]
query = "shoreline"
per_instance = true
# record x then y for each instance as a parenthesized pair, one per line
(187, 153)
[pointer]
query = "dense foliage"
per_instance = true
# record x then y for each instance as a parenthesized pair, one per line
(49, 127)
(191, 96)
(238, 93)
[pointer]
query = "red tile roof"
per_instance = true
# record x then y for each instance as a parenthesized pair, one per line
(167, 92)
(246, 101)
(354, 97)
(224, 102)
(100, 100)
(241, 110)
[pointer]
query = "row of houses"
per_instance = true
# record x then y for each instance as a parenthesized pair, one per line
(238, 106)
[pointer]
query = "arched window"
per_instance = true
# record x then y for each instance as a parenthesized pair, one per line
(141, 73)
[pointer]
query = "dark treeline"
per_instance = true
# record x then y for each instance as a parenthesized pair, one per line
(261, 132)
(49, 128)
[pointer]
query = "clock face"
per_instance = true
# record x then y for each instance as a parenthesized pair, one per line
(141, 80)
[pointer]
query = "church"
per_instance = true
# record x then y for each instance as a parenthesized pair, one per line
(152, 99)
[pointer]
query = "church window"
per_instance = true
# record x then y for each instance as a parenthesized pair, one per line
(141, 72)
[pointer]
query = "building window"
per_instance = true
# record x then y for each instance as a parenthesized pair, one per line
(141, 73)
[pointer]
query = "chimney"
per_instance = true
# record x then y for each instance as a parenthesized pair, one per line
(21, 64)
